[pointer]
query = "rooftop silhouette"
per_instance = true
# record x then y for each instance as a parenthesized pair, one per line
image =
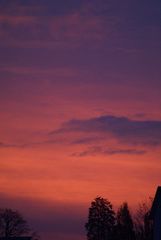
(156, 214)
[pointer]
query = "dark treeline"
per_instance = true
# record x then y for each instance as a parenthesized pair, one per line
(106, 224)
(103, 222)
(13, 224)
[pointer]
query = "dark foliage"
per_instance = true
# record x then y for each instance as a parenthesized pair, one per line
(12, 224)
(124, 227)
(101, 220)
(103, 224)
(143, 223)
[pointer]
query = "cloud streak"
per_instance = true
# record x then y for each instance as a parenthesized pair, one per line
(37, 23)
(92, 151)
(100, 134)
(125, 130)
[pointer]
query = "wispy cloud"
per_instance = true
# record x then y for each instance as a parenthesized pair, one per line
(92, 151)
(87, 140)
(8, 145)
(125, 130)
(32, 144)
(35, 23)
(100, 135)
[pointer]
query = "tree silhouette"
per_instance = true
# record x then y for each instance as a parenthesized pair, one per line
(101, 220)
(125, 228)
(143, 223)
(12, 224)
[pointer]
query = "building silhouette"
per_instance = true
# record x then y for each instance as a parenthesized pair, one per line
(156, 214)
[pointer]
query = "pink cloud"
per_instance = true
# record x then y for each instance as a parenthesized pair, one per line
(75, 27)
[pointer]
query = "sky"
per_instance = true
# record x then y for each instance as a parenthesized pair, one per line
(80, 101)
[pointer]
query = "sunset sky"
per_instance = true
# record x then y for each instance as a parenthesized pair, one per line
(80, 108)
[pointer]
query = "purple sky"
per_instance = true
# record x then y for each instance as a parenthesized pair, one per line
(80, 95)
